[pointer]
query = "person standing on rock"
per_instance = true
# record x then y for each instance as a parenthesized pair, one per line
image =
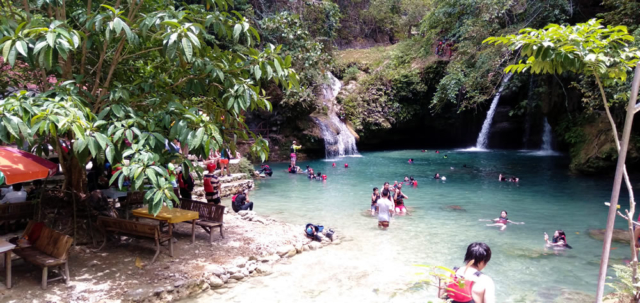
(211, 185)
(293, 149)
(385, 210)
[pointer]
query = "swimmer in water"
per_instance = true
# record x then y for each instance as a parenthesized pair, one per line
(501, 178)
(437, 176)
(424, 150)
(514, 179)
(413, 181)
(559, 240)
(334, 164)
(389, 189)
(501, 221)
(406, 179)
(374, 201)
(445, 157)
(399, 200)
(319, 176)
(411, 161)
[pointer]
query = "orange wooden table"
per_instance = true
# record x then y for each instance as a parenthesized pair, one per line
(171, 216)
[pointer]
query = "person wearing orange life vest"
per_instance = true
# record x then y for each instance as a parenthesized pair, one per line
(477, 287)
(211, 185)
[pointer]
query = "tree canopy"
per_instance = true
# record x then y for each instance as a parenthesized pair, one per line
(118, 79)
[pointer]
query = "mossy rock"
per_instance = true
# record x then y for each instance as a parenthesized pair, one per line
(619, 235)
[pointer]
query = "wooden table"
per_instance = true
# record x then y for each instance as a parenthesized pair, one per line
(171, 216)
(6, 248)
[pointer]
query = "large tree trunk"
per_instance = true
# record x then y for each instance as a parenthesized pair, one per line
(75, 176)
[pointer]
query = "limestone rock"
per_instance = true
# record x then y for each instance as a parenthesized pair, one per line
(337, 242)
(215, 269)
(221, 291)
(243, 213)
(236, 276)
(315, 245)
(215, 282)
(305, 247)
(284, 250)
(298, 247)
(270, 258)
(619, 235)
(264, 269)
(291, 253)
(245, 272)
(232, 270)
(224, 278)
(240, 262)
(251, 267)
(232, 281)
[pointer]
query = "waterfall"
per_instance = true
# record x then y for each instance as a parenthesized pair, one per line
(483, 138)
(338, 139)
(546, 137)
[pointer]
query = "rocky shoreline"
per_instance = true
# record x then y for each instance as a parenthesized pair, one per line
(122, 272)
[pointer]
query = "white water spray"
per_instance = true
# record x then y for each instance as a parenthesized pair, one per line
(483, 137)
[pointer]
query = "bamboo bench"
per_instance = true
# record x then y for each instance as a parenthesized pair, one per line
(51, 249)
(135, 229)
(16, 211)
(211, 215)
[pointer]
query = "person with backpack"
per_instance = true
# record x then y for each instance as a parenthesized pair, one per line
(211, 184)
(186, 184)
(242, 202)
(477, 287)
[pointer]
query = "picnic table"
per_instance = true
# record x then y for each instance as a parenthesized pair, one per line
(6, 248)
(170, 216)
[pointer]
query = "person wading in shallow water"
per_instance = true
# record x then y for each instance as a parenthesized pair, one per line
(385, 210)
(477, 287)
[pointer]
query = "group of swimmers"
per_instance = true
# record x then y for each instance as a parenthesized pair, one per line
(393, 199)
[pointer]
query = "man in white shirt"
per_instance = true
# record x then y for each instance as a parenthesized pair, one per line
(385, 209)
(17, 195)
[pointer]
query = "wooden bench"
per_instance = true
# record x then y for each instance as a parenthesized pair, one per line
(51, 249)
(16, 211)
(135, 229)
(211, 215)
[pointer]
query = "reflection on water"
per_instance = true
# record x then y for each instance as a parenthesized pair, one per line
(377, 266)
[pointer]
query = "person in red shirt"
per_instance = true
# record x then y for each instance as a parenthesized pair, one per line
(211, 185)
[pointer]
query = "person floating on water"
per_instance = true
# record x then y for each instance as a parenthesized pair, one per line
(266, 170)
(437, 151)
(424, 150)
(437, 176)
(477, 287)
(411, 161)
(502, 221)
(399, 200)
(406, 180)
(293, 149)
(445, 157)
(501, 178)
(385, 209)
(374, 201)
(319, 176)
(559, 240)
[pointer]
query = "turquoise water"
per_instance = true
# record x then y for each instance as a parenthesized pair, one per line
(547, 198)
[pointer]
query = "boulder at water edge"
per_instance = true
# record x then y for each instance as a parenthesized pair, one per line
(284, 250)
(215, 282)
(619, 235)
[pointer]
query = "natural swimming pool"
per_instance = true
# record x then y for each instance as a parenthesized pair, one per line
(378, 265)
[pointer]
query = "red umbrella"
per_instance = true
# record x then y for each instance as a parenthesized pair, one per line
(20, 166)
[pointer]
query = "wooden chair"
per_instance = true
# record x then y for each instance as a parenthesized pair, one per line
(211, 215)
(51, 249)
(134, 199)
(135, 229)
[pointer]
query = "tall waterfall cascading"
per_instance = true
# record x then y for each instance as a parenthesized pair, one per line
(547, 137)
(483, 137)
(338, 140)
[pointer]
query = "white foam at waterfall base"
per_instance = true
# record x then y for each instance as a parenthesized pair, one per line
(483, 137)
(547, 138)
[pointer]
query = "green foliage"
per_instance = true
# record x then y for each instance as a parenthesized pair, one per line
(588, 48)
(623, 284)
(572, 132)
(132, 76)
(246, 167)
(322, 19)
(308, 56)
(350, 74)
